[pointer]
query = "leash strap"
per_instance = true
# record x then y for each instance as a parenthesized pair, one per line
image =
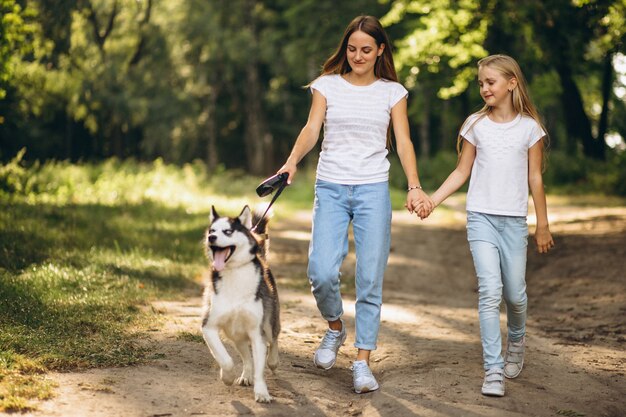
(280, 190)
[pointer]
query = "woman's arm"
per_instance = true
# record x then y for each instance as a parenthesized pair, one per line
(460, 174)
(406, 153)
(308, 135)
(543, 237)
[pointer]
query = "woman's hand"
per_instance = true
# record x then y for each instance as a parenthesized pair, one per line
(290, 168)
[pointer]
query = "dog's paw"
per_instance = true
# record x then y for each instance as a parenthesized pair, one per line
(262, 396)
(272, 356)
(244, 380)
(228, 376)
(273, 364)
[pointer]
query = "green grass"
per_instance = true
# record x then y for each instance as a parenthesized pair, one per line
(82, 250)
(73, 279)
(190, 337)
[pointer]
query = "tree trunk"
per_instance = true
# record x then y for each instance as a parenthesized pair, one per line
(607, 82)
(255, 132)
(424, 126)
(211, 156)
(576, 120)
(69, 136)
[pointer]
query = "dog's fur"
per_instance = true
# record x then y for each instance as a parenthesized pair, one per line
(241, 299)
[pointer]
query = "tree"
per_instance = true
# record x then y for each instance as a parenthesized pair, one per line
(439, 43)
(575, 39)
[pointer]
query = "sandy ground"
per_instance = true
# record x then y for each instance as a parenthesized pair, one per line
(429, 357)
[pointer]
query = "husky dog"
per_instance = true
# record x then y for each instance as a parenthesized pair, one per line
(241, 299)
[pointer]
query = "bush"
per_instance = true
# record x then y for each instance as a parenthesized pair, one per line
(579, 175)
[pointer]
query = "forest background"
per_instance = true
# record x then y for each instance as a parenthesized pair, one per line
(123, 121)
(221, 82)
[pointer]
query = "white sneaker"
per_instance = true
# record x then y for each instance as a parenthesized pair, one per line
(326, 354)
(514, 358)
(493, 385)
(363, 378)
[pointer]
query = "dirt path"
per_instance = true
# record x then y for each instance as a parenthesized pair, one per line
(429, 356)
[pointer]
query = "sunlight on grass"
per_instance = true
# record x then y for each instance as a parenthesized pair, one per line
(21, 380)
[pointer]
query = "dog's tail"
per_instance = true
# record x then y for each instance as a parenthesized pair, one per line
(262, 229)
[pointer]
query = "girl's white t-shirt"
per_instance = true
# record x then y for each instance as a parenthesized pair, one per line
(355, 129)
(499, 181)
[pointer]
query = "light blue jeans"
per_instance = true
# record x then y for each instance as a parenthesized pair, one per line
(498, 245)
(368, 206)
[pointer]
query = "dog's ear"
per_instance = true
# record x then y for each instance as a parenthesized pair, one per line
(213, 215)
(245, 217)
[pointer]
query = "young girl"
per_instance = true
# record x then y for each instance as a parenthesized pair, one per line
(354, 98)
(502, 146)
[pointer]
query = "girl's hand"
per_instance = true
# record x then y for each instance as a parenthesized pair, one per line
(418, 201)
(543, 238)
(423, 212)
(289, 168)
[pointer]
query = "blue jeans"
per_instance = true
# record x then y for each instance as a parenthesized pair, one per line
(368, 206)
(498, 245)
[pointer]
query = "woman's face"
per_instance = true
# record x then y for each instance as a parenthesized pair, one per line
(495, 89)
(362, 52)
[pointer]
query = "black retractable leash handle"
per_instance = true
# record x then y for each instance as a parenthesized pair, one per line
(277, 182)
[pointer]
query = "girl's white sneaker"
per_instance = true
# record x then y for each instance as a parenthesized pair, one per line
(514, 358)
(493, 385)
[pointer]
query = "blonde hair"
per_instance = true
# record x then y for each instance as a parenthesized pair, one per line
(522, 104)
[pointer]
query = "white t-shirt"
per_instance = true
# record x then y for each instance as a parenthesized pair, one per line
(355, 129)
(499, 181)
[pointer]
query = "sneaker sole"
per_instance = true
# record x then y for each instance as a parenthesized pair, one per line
(366, 390)
(493, 393)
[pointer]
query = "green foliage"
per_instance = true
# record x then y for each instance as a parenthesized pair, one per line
(84, 247)
(440, 36)
(180, 80)
(578, 175)
(15, 30)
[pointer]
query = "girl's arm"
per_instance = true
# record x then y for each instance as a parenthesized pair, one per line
(308, 135)
(543, 237)
(460, 174)
(406, 153)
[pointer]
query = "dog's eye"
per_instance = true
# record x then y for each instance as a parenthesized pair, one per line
(211, 231)
(228, 232)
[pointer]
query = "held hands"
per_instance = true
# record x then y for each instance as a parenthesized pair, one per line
(543, 238)
(417, 201)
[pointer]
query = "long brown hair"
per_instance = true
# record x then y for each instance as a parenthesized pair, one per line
(384, 67)
(522, 104)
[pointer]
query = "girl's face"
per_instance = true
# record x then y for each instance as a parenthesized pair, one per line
(495, 89)
(362, 52)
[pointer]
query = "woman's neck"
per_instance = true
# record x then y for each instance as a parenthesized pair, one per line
(502, 114)
(360, 80)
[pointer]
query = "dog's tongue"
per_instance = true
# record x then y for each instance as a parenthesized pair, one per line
(219, 258)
